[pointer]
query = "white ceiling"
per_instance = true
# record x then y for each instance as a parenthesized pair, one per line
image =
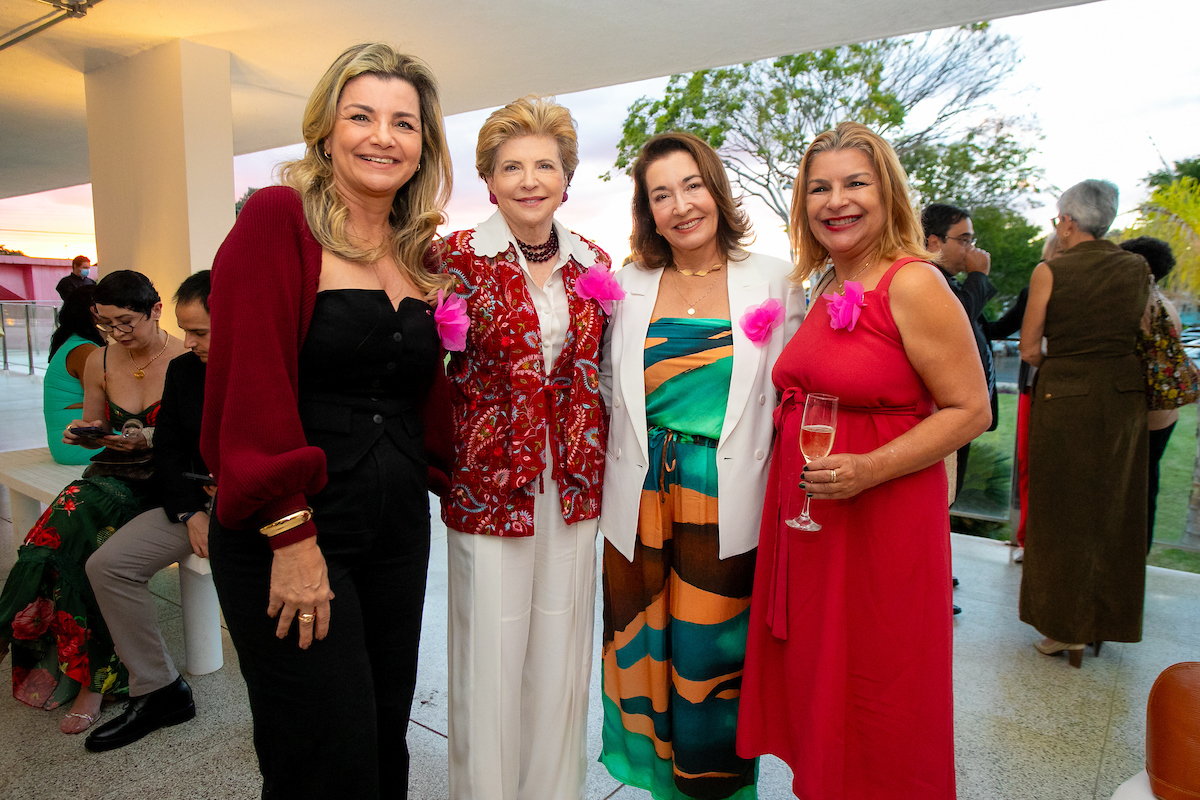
(484, 52)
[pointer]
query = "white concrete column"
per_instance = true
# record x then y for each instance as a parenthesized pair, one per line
(160, 143)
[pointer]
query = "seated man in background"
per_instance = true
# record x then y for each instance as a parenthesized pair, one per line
(121, 569)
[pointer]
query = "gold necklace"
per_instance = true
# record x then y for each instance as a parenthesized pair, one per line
(140, 372)
(692, 306)
(700, 273)
(842, 284)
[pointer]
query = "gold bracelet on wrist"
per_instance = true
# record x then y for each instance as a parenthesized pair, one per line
(293, 520)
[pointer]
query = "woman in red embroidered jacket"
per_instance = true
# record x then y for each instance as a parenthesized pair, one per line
(324, 350)
(530, 432)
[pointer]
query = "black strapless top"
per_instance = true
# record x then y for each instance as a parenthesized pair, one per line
(365, 369)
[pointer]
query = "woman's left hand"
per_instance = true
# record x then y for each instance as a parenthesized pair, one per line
(839, 476)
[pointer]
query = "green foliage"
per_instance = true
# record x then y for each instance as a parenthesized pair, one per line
(1187, 168)
(1015, 247)
(4, 251)
(761, 116)
(1172, 213)
(987, 167)
(237, 208)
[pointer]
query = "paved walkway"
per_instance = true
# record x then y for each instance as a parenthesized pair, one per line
(1028, 727)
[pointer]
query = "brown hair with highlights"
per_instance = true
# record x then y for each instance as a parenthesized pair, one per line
(733, 227)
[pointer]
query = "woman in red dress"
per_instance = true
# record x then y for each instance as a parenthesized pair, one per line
(848, 662)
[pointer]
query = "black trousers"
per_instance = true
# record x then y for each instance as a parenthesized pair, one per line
(1158, 446)
(330, 721)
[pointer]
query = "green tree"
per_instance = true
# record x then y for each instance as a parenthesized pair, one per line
(4, 251)
(1016, 248)
(761, 116)
(1187, 168)
(1172, 213)
(988, 167)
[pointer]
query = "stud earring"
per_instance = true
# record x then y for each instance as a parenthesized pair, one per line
(418, 166)
(564, 197)
(492, 197)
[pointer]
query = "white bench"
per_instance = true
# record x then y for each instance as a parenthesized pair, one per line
(34, 479)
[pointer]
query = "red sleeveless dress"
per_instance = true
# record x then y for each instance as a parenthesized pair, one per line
(848, 663)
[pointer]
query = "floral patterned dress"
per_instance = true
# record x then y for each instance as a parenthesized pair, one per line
(48, 614)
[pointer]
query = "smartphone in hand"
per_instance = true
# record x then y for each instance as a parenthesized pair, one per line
(90, 432)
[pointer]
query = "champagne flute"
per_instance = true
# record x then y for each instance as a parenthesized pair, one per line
(816, 440)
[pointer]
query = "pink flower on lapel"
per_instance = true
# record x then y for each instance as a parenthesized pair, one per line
(599, 284)
(760, 321)
(844, 310)
(452, 321)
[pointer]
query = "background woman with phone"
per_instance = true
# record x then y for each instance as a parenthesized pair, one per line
(48, 615)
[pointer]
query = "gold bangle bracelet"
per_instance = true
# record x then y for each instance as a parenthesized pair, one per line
(293, 520)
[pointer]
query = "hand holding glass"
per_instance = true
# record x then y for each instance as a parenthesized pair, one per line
(816, 440)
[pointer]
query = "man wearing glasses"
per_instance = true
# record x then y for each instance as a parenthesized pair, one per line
(949, 234)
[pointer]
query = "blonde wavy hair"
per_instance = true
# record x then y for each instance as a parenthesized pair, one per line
(902, 232)
(418, 207)
(529, 116)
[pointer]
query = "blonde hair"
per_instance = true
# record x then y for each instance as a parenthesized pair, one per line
(529, 116)
(902, 232)
(417, 207)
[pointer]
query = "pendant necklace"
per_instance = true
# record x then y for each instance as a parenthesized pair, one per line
(140, 372)
(692, 305)
(842, 284)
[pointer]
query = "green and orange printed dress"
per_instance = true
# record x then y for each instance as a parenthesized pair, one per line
(675, 618)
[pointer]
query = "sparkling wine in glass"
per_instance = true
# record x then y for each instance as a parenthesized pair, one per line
(816, 440)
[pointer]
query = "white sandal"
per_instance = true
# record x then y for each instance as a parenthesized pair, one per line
(90, 721)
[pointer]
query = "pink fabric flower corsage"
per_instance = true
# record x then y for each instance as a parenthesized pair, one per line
(760, 321)
(452, 321)
(599, 284)
(844, 309)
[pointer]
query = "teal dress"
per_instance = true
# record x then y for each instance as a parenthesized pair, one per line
(48, 614)
(59, 390)
(676, 616)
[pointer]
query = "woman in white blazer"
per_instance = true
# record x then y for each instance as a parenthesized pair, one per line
(687, 373)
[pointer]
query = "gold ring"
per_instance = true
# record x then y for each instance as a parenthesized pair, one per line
(306, 618)
(834, 479)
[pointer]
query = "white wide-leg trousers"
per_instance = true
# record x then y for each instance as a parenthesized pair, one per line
(520, 633)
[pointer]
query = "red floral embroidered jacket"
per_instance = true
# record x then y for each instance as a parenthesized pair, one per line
(503, 399)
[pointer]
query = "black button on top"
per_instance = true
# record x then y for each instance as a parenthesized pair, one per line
(391, 365)
(397, 336)
(374, 384)
(377, 419)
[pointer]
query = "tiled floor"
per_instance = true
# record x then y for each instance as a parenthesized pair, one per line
(1028, 727)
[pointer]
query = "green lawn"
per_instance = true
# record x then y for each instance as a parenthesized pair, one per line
(986, 486)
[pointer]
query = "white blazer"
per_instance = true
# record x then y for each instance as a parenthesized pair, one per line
(744, 449)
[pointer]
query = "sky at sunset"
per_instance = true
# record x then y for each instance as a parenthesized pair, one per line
(1114, 92)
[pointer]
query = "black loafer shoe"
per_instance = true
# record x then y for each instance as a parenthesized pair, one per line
(169, 705)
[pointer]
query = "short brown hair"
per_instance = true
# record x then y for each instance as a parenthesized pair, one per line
(902, 230)
(529, 116)
(733, 226)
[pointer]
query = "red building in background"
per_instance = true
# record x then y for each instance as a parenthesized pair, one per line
(32, 279)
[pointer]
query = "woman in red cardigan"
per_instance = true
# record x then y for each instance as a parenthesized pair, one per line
(324, 349)
(529, 460)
